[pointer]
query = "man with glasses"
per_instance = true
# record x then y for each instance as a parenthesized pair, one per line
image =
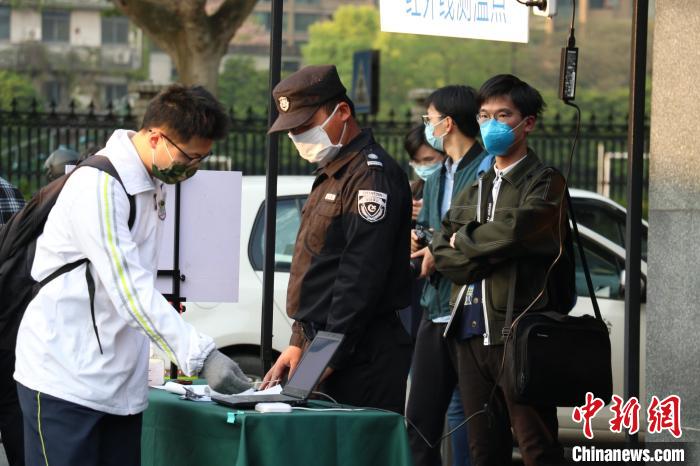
(513, 215)
(82, 382)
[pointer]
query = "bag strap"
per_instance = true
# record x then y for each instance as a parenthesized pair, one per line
(582, 253)
(104, 164)
(589, 282)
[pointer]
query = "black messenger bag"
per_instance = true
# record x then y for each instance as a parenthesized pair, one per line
(552, 358)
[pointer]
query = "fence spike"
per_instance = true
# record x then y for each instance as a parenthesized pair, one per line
(611, 119)
(110, 110)
(33, 106)
(392, 114)
(249, 113)
(592, 121)
(127, 108)
(557, 121)
(52, 106)
(71, 107)
(230, 112)
(409, 116)
(13, 105)
(91, 108)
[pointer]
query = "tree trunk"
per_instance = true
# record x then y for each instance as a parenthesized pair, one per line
(195, 33)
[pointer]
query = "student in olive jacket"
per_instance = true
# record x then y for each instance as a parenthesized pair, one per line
(513, 213)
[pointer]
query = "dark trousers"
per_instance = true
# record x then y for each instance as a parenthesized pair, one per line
(433, 380)
(490, 438)
(10, 412)
(61, 433)
(376, 376)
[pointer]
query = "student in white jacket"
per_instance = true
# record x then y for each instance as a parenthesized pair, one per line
(83, 388)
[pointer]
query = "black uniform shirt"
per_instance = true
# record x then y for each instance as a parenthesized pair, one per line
(351, 257)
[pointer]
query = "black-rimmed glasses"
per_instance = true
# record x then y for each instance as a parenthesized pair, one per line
(191, 160)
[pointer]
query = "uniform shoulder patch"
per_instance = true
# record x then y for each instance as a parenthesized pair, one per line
(373, 160)
(371, 205)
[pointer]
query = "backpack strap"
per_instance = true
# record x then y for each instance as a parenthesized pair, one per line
(102, 163)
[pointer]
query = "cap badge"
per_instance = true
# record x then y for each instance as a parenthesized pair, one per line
(284, 103)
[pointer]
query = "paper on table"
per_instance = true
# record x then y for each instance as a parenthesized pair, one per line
(274, 390)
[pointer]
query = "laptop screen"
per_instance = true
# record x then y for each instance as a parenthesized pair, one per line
(312, 364)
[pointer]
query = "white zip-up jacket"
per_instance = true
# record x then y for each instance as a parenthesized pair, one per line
(57, 349)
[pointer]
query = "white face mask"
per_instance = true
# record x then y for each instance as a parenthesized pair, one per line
(314, 145)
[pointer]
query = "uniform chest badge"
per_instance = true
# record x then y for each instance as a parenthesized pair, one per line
(330, 197)
(371, 205)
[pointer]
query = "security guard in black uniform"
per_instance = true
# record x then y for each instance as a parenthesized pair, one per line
(350, 270)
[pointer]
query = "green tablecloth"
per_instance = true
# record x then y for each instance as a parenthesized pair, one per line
(186, 433)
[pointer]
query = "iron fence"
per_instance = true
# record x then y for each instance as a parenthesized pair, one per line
(28, 136)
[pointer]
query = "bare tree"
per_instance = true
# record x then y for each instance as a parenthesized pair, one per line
(195, 33)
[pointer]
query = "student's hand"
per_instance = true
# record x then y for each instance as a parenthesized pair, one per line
(417, 206)
(286, 364)
(223, 374)
(428, 264)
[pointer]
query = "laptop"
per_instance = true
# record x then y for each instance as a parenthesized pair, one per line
(297, 390)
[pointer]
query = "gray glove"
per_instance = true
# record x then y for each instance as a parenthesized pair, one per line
(223, 374)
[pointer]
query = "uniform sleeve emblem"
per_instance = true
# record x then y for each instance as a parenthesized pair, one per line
(371, 205)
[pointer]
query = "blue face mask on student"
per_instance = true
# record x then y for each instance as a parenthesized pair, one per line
(497, 136)
(434, 141)
(424, 171)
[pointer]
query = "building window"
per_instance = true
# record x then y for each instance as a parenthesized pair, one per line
(4, 23)
(115, 30)
(290, 66)
(114, 92)
(53, 90)
(265, 20)
(307, 2)
(302, 21)
(55, 26)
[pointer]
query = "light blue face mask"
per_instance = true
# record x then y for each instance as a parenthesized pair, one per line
(424, 171)
(497, 136)
(434, 141)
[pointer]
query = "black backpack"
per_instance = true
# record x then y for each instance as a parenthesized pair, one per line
(18, 245)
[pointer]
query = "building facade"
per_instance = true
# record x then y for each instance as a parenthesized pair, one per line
(82, 50)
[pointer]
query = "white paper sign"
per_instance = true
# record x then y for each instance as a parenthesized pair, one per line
(210, 234)
(503, 20)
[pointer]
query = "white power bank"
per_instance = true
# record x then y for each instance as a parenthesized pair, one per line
(273, 408)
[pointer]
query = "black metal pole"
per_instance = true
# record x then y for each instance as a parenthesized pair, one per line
(176, 267)
(635, 163)
(271, 191)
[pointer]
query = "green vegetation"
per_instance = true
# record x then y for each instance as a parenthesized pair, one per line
(15, 86)
(242, 86)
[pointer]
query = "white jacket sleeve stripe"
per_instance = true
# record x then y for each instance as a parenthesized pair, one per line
(117, 262)
(131, 286)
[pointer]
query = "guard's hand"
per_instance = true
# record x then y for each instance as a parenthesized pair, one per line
(223, 374)
(286, 363)
(452, 240)
(417, 206)
(428, 264)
